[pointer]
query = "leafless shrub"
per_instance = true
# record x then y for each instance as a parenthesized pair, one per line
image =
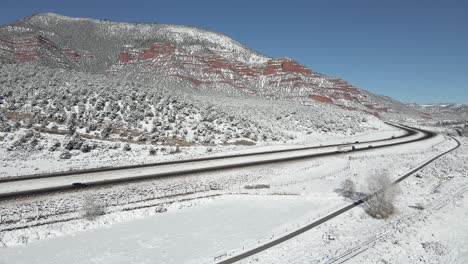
(380, 205)
(127, 147)
(54, 146)
(348, 188)
(160, 209)
(92, 209)
(174, 150)
(152, 151)
(434, 247)
(65, 154)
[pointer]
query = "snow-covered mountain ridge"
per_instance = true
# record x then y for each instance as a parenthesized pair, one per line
(181, 57)
(444, 111)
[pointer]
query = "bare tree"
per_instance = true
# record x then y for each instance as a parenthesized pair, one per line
(348, 188)
(383, 192)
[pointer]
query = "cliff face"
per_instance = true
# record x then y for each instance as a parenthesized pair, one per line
(179, 56)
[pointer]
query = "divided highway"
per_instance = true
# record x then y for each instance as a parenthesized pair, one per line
(36, 184)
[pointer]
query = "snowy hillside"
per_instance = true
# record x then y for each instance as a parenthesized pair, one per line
(73, 86)
(181, 57)
(54, 114)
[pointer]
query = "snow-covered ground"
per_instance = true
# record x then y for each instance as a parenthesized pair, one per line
(96, 177)
(177, 236)
(14, 163)
(428, 227)
(233, 218)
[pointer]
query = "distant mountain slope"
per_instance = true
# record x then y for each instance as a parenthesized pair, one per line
(181, 57)
(449, 112)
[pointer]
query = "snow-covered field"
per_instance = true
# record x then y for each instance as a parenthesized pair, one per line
(202, 224)
(429, 225)
(177, 236)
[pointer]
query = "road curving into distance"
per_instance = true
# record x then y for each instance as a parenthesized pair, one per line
(408, 133)
(332, 215)
(46, 183)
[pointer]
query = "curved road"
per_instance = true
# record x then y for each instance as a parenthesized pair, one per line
(332, 215)
(408, 133)
(31, 185)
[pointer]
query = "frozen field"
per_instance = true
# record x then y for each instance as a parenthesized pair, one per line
(177, 236)
(429, 226)
(200, 229)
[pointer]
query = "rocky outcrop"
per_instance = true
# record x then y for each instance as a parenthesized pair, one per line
(36, 48)
(320, 98)
(279, 78)
(154, 51)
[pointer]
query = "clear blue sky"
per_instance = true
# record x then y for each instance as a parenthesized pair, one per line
(414, 51)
